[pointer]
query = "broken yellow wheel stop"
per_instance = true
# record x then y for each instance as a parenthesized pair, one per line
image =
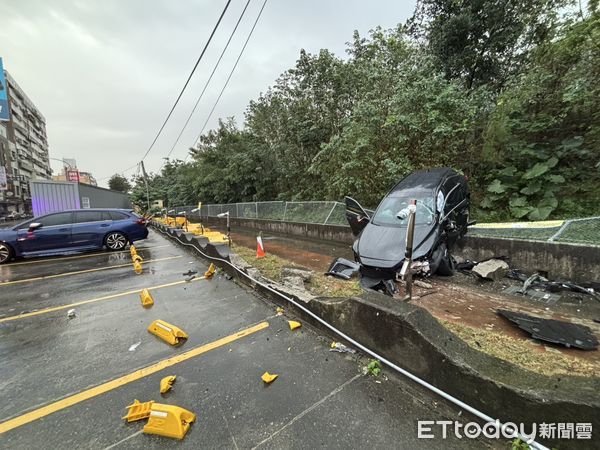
(169, 420)
(268, 377)
(146, 298)
(294, 324)
(211, 271)
(138, 411)
(166, 383)
(167, 332)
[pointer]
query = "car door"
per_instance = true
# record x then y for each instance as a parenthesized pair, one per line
(357, 216)
(454, 200)
(53, 234)
(89, 228)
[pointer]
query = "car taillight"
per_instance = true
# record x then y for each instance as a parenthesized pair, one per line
(141, 221)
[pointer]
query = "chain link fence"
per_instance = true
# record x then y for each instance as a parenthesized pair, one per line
(578, 231)
(325, 212)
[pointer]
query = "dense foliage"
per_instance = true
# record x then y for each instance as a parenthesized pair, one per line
(119, 183)
(505, 91)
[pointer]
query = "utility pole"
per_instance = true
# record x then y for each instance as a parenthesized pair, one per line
(146, 181)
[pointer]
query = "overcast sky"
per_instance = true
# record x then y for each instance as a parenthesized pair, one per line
(105, 73)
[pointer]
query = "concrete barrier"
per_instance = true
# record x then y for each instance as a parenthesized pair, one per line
(572, 262)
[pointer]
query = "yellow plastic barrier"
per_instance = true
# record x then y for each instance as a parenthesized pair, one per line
(166, 383)
(138, 411)
(146, 298)
(210, 272)
(169, 420)
(167, 332)
(137, 267)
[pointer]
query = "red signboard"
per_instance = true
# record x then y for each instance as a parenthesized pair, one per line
(73, 175)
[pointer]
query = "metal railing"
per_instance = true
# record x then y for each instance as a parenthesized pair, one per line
(577, 231)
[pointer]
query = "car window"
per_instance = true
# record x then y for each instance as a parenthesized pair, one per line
(118, 215)
(55, 219)
(387, 212)
(90, 216)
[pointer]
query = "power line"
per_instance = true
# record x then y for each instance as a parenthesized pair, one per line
(207, 82)
(188, 79)
(180, 93)
(229, 77)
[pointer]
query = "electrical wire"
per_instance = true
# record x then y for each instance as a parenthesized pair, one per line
(229, 77)
(207, 83)
(180, 93)
(188, 79)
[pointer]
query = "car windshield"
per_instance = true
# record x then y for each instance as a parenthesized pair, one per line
(393, 210)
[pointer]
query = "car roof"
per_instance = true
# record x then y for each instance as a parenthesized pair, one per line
(428, 179)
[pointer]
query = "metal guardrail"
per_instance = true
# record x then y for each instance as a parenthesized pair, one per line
(577, 231)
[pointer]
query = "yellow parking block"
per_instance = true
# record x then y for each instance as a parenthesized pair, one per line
(59, 405)
(67, 258)
(77, 272)
(93, 300)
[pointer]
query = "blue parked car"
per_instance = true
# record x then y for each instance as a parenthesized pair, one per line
(72, 231)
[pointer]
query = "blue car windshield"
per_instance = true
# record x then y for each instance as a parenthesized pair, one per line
(392, 211)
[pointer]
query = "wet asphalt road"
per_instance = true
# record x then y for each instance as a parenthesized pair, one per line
(321, 399)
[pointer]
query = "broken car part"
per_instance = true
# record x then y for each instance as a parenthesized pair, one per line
(167, 332)
(343, 268)
(555, 331)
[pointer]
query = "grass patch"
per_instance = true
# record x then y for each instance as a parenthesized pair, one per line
(321, 285)
(517, 352)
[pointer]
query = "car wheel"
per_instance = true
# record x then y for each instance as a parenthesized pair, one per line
(446, 267)
(115, 241)
(5, 253)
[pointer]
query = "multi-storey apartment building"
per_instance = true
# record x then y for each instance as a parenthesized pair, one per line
(23, 149)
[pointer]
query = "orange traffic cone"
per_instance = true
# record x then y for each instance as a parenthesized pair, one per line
(260, 249)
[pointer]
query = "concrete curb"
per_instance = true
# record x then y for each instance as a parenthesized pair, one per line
(410, 337)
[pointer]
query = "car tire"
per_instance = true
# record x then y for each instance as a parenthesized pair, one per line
(115, 241)
(446, 267)
(6, 253)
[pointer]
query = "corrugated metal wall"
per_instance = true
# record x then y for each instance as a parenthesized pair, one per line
(102, 198)
(52, 196)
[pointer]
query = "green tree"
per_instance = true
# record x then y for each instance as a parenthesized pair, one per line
(483, 42)
(543, 140)
(119, 183)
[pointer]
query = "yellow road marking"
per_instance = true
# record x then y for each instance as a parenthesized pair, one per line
(121, 381)
(77, 272)
(94, 300)
(37, 261)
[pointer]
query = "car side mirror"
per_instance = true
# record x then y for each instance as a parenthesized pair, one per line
(34, 226)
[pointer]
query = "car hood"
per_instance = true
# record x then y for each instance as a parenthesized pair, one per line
(385, 247)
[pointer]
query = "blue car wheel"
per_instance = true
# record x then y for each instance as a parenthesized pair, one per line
(115, 241)
(5, 252)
